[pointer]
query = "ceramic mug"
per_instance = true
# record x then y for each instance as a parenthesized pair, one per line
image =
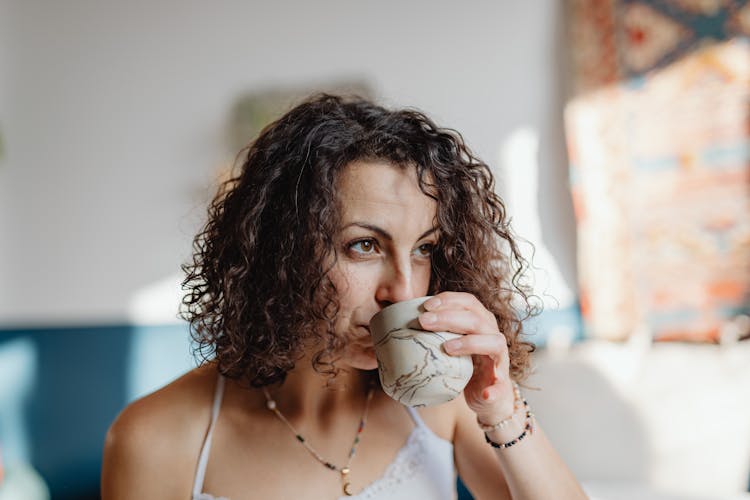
(414, 368)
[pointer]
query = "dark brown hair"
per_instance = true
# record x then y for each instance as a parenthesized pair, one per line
(258, 290)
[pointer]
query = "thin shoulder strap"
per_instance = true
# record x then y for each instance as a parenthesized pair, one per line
(200, 474)
(415, 416)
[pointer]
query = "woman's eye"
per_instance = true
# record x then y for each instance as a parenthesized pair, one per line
(425, 250)
(363, 246)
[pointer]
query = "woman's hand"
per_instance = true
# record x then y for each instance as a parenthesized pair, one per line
(489, 393)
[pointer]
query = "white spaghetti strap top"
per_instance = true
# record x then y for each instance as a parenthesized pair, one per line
(415, 416)
(423, 467)
(200, 473)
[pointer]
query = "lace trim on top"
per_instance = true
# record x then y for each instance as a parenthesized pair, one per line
(407, 463)
(409, 460)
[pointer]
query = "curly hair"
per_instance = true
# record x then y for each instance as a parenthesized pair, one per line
(258, 291)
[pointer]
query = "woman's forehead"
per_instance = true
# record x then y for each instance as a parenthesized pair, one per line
(375, 188)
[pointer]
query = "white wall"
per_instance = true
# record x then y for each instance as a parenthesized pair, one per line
(118, 109)
(4, 202)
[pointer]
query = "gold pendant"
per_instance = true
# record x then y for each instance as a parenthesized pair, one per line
(347, 491)
(346, 485)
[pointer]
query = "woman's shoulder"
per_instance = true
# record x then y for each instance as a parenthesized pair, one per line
(442, 419)
(174, 408)
(158, 437)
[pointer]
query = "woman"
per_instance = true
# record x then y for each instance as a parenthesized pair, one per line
(341, 208)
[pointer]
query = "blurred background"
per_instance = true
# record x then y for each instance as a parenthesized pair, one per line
(618, 131)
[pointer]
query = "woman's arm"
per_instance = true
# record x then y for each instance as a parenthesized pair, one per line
(152, 448)
(531, 468)
(138, 462)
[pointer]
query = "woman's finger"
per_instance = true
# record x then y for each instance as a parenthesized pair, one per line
(459, 300)
(456, 321)
(494, 346)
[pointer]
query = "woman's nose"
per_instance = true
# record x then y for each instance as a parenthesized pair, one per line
(396, 284)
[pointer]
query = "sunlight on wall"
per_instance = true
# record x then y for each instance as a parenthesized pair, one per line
(518, 161)
(518, 174)
(157, 303)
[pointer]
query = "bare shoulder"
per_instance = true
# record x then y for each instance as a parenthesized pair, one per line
(152, 447)
(441, 419)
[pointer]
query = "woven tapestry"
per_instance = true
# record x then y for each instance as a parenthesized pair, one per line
(659, 151)
(615, 40)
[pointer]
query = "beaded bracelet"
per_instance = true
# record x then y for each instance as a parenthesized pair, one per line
(500, 425)
(526, 431)
(528, 428)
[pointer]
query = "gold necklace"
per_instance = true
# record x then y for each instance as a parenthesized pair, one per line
(346, 469)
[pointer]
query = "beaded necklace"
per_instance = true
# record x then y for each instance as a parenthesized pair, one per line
(346, 469)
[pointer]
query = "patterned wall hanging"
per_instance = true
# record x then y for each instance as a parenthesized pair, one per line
(614, 40)
(659, 145)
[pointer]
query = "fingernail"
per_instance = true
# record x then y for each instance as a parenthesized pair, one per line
(428, 318)
(452, 345)
(432, 303)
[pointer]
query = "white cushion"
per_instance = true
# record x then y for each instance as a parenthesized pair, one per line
(672, 416)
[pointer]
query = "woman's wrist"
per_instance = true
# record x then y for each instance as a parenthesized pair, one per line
(505, 415)
(512, 429)
(506, 441)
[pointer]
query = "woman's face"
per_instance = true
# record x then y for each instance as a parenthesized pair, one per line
(384, 248)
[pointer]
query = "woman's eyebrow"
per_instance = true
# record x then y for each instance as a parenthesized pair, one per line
(382, 232)
(427, 233)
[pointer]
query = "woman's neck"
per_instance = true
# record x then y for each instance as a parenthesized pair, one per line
(310, 396)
